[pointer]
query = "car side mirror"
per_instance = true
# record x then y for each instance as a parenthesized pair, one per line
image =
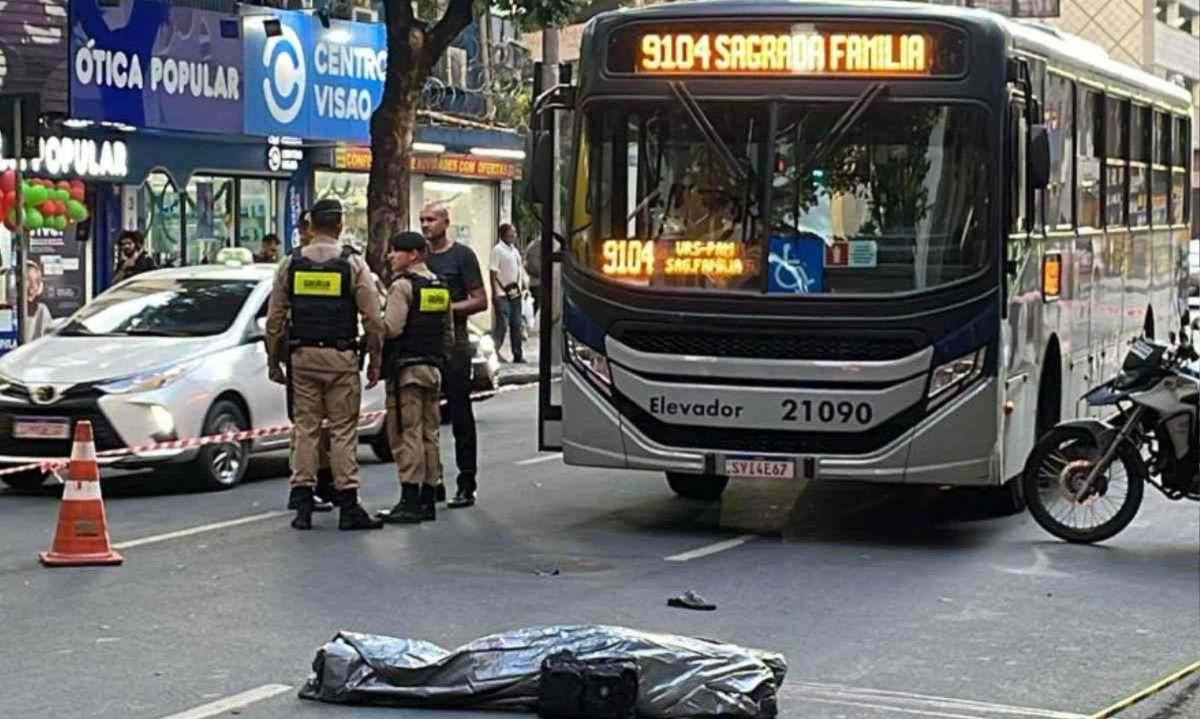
(1039, 157)
(541, 181)
(258, 330)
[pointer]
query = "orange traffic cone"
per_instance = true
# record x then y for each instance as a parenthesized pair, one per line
(81, 538)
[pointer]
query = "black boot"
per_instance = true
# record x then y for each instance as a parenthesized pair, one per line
(441, 493)
(301, 500)
(407, 510)
(323, 494)
(428, 497)
(353, 515)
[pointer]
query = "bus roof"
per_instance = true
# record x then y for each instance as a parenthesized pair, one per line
(1061, 49)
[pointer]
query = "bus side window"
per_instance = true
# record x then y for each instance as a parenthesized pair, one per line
(1018, 137)
(1139, 161)
(1160, 176)
(1060, 122)
(1116, 153)
(1091, 144)
(1180, 149)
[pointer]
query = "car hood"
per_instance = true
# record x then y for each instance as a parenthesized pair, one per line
(72, 360)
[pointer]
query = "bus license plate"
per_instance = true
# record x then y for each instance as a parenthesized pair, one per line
(758, 468)
(41, 428)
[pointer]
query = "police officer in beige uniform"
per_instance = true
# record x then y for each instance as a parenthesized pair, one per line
(320, 292)
(419, 335)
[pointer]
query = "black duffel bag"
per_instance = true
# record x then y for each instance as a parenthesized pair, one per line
(595, 689)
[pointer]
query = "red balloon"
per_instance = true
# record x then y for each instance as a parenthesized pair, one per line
(63, 185)
(10, 198)
(62, 207)
(12, 226)
(8, 181)
(78, 193)
(48, 207)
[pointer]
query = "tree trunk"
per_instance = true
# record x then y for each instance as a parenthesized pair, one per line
(413, 48)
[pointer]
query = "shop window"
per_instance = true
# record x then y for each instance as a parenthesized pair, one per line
(160, 206)
(350, 188)
(1090, 148)
(472, 208)
(256, 212)
(208, 218)
(1060, 120)
(1116, 147)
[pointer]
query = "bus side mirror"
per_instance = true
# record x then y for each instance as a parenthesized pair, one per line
(541, 180)
(1039, 157)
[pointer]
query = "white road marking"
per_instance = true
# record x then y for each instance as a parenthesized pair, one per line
(710, 549)
(236, 701)
(199, 530)
(910, 703)
(539, 460)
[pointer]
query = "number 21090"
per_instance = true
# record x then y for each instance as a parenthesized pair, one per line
(826, 411)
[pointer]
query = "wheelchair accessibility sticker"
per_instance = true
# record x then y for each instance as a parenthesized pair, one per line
(797, 265)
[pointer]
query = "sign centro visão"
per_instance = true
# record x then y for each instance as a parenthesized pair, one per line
(312, 81)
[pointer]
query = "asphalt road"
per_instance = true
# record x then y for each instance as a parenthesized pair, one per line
(886, 604)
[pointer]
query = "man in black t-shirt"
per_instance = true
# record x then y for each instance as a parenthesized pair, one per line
(458, 267)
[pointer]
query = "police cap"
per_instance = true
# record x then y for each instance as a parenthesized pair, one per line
(328, 208)
(407, 241)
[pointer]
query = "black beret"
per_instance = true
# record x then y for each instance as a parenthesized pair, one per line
(407, 241)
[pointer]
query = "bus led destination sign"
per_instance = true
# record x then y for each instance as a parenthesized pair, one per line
(793, 53)
(640, 259)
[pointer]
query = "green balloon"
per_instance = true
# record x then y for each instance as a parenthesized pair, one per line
(36, 195)
(34, 219)
(62, 195)
(76, 210)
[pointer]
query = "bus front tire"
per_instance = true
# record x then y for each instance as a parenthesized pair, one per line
(703, 487)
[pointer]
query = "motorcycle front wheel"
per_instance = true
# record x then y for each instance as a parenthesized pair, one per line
(1056, 470)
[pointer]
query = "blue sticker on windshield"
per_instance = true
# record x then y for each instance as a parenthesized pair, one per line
(797, 265)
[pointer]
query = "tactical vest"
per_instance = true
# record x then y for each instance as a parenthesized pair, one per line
(324, 313)
(425, 329)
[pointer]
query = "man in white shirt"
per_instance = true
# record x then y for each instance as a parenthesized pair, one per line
(508, 281)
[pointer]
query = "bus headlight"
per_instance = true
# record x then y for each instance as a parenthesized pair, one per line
(956, 373)
(589, 360)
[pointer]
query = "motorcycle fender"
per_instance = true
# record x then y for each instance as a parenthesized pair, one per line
(1102, 431)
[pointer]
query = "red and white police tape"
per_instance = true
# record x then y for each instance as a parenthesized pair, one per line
(50, 464)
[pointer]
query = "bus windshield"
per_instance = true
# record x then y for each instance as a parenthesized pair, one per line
(894, 201)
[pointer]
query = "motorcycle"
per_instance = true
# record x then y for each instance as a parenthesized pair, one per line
(1085, 478)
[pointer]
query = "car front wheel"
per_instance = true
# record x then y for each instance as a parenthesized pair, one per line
(222, 466)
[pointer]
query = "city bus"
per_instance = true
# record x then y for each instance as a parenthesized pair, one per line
(875, 242)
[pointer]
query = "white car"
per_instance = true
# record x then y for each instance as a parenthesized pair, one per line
(165, 355)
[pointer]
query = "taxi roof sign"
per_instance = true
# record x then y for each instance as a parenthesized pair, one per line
(235, 256)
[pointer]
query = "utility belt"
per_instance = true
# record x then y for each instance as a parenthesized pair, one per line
(397, 365)
(341, 345)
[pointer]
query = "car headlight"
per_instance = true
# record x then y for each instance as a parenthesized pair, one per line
(590, 360)
(956, 373)
(148, 381)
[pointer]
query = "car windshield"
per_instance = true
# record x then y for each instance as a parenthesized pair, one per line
(890, 200)
(163, 307)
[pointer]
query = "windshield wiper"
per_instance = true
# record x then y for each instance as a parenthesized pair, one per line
(844, 124)
(707, 131)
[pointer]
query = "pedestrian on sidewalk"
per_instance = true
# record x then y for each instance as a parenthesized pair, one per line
(418, 326)
(320, 292)
(533, 270)
(458, 267)
(508, 283)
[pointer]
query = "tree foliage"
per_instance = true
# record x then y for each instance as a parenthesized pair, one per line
(418, 34)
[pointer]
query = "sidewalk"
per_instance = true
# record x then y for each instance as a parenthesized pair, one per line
(516, 374)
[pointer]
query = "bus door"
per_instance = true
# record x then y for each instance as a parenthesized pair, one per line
(551, 122)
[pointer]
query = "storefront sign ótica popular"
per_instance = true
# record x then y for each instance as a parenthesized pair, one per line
(359, 158)
(77, 157)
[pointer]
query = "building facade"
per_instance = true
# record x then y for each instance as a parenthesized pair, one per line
(207, 124)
